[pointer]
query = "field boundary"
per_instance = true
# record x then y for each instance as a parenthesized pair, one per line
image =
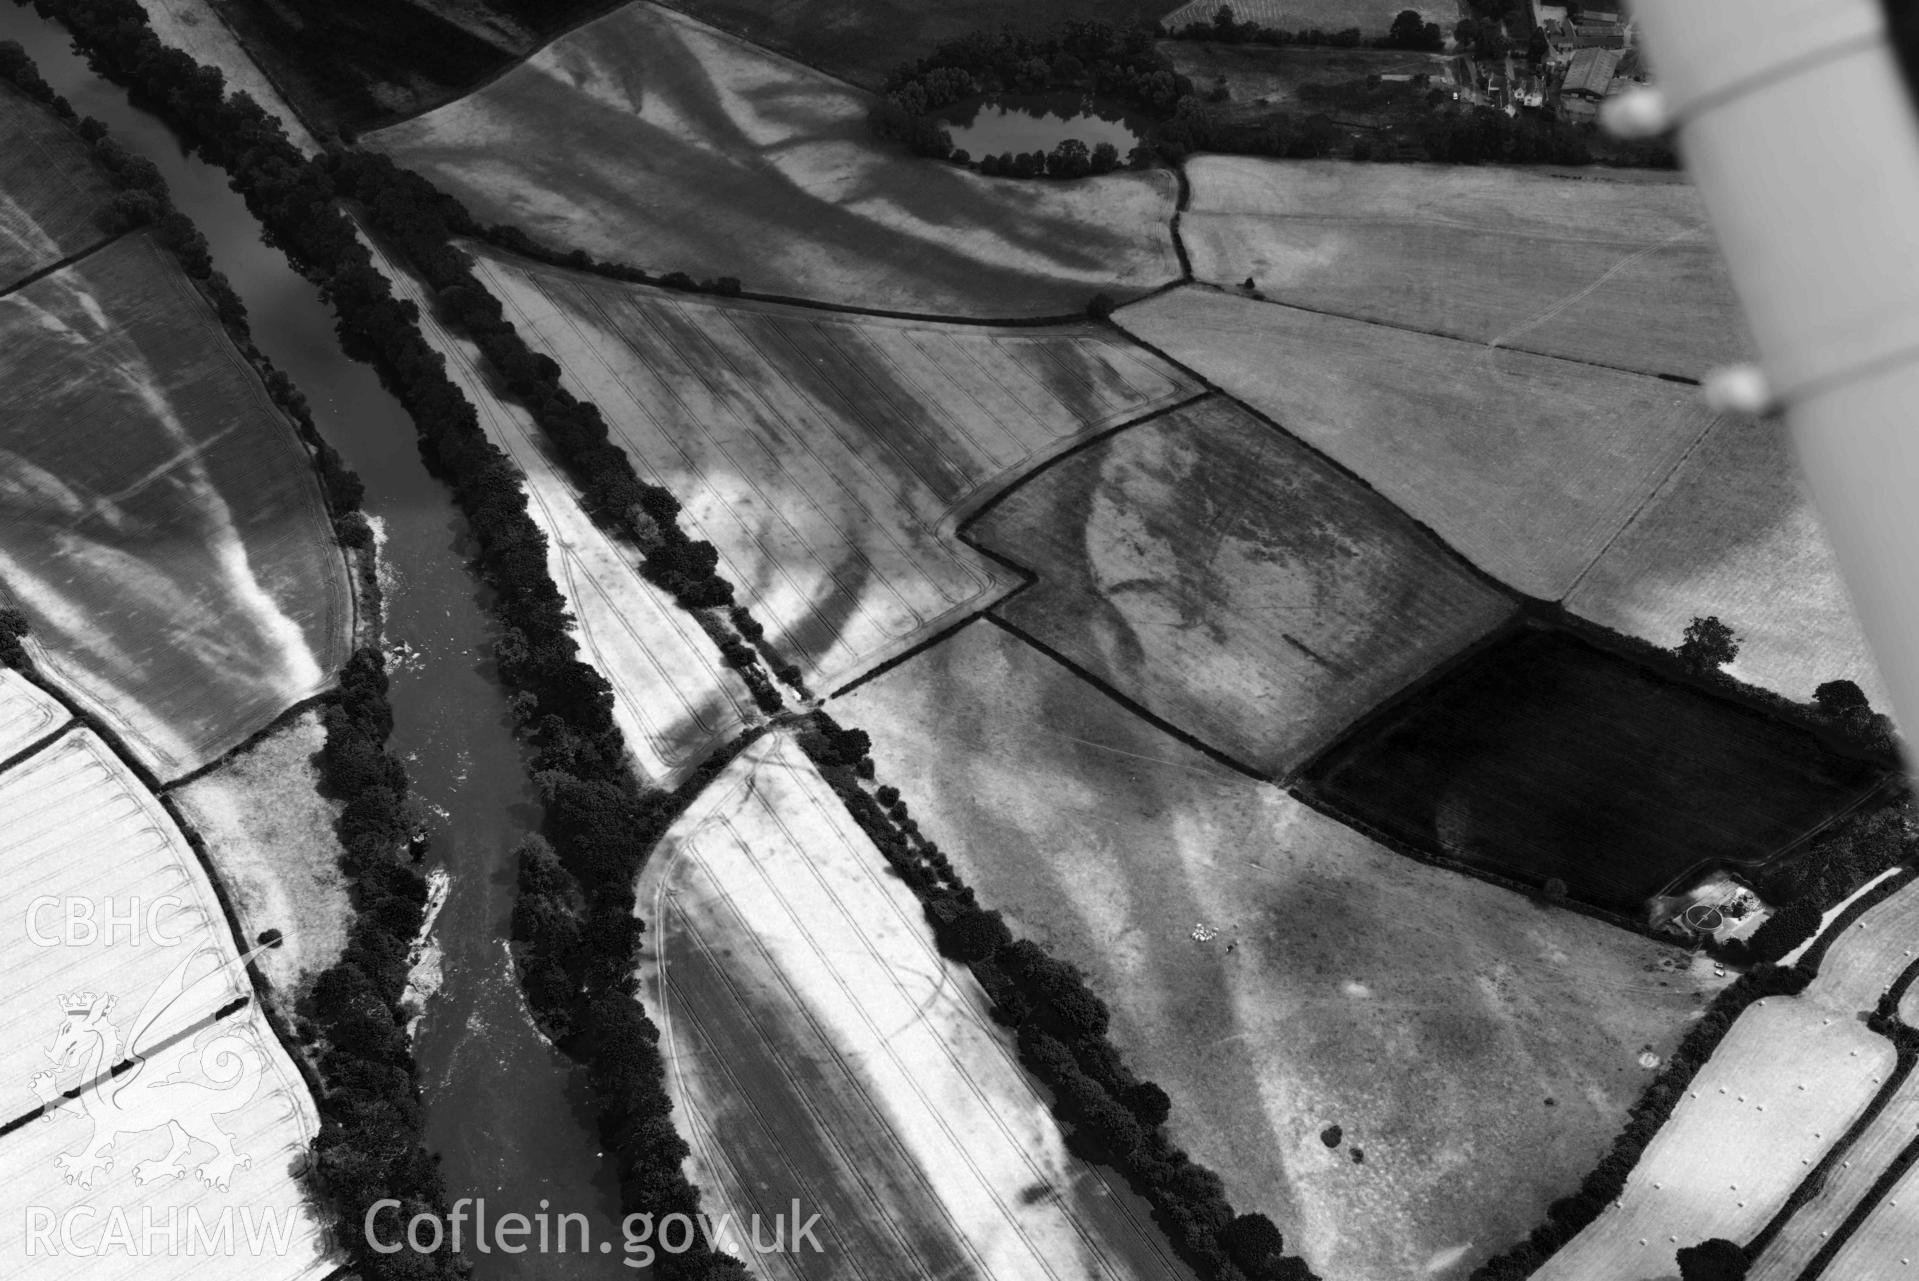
(263, 991)
(1258, 296)
(1323, 805)
(1869, 1201)
(506, 238)
(114, 1069)
(38, 745)
(72, 259)
(1814, 1179)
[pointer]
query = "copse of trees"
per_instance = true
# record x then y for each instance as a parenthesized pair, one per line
(1112, 62)
(13, 631)
(1224, 27)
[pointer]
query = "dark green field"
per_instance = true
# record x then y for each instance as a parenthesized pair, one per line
(1547, 758)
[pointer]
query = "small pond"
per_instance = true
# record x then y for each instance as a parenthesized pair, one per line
(1023, 122)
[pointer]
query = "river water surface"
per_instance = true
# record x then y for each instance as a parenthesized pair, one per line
(507, 1113)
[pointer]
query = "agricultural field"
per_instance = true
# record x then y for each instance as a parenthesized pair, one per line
(1373, 17)
(830, 458)
(674, 699)
(266, 1120)
(1733, 533)
(1477, 1049)
(160, 522)
(1547, 759)
(1526, 465)
(1812, 1224)
(1724, 1162)
(194, 27)
(822, 1049)
(79, 834)
(271, 838)
(1889, 1233)
(1864, 960)
(51, 195)
(27, 713)
(1231, 581)
(1614, 267)
(647, 138)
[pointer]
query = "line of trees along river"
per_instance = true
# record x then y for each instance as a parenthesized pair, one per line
(507, 1114)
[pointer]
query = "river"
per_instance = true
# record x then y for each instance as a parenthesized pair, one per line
(507, 1113)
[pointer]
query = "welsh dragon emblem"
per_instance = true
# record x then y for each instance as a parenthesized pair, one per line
(179, 1087)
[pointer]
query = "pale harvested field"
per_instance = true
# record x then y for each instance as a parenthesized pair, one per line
(27, 713)
(1374, 17)
(824, 1051)
(1733, 532)
(272, 839)
(160, 523)
(1621, 272)
(1864, 960)
(674, 700)
(1525, 465)
(76, 828)
(51, 193)
(1778, 1091)
(1813, 1223)
(193, 27)
(1429, 1014)
(1887, 1241)
(648, 138)
(1228, 579)
(275, 1233)
(830, 458)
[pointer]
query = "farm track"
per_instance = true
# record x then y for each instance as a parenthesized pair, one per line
(834, 946)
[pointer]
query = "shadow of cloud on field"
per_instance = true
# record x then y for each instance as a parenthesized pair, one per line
(1733, 533)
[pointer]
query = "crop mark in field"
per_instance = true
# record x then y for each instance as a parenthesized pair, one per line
(829, 960)
(1557, 309)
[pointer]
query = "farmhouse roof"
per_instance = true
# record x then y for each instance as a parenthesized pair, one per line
(1614, 38)
(1597, 17)
(1591, 72)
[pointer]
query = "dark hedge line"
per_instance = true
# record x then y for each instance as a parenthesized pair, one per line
(1906, 1041)
(1569, 1215)
(563, 705)
(419, 220)
(1108, 1113)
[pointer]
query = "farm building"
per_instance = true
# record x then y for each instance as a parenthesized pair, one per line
(1591, 73)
